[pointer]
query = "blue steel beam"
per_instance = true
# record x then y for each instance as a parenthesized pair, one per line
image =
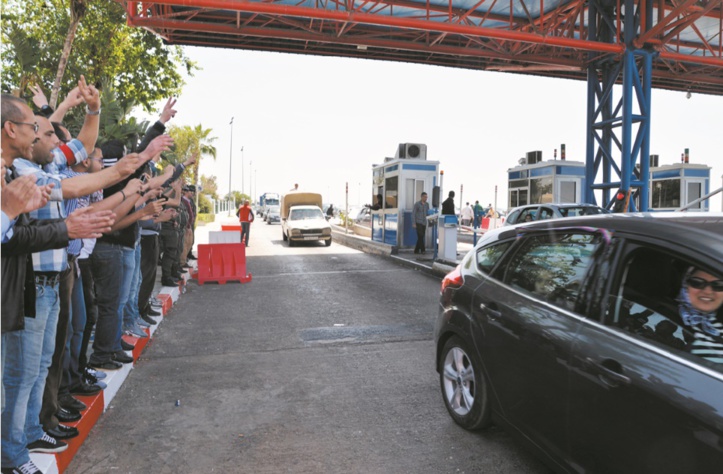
(631, 143)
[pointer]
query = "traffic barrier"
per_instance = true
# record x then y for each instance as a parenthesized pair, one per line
(224, 237)
(222, 263)
(231, 227)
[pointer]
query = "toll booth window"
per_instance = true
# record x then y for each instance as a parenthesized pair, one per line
(541, 190)
(666, 193)
(391, 191)
(695, 191)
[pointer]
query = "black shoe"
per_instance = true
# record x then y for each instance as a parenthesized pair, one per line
(85, 389)
(127, 346)
(27, 468)
(66, 416)
(46, 444)
(107, 365)
(169, 282)
(122, 357)
(185, 265)
(152, 312)
(63, 432)
(70, 403)
(148, 319)
(191, 257)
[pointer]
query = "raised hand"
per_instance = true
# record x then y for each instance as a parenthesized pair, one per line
(73, 99)
(152, 208)
(89, 94)
(157, 145)
(128, 164)
(39, 98)
(191, 160)
(168, 111)
(133, 187)
(85, 224)
(23, 195)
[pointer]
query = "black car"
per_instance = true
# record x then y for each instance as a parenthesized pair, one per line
(573, 334)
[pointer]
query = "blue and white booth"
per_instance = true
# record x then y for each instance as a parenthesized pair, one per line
(400, 182)
(676, 185)
(535, 181)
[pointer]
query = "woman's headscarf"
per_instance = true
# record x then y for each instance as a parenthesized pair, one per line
(691, 316)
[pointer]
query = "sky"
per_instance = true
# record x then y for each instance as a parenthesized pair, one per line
(322, 122)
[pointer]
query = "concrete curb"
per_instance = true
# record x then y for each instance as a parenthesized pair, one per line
(98, 404)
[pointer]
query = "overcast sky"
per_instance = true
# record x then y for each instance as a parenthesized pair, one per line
(322, 122)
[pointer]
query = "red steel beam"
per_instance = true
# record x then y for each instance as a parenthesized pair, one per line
(407, 23)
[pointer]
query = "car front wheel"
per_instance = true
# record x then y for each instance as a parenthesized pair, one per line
(327, 242)
(464, 386)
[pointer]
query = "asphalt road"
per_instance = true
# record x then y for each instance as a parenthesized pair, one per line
(324, 363)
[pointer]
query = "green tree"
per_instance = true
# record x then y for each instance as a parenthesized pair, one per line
(209, 186)
(136, 62)
(188, 141)
(238, 197)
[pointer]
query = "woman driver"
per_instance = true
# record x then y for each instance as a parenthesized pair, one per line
(700, 298)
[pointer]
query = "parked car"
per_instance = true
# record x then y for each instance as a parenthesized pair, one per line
(573, 335)
(536, 212)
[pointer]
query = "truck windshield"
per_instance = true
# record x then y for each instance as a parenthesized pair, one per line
(305, 214)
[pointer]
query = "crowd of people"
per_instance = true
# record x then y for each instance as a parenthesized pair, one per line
(85, 226)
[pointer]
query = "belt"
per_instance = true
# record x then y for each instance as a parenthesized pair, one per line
(47, 278)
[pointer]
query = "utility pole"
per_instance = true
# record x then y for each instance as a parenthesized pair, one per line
(230, 161)
(242, 170)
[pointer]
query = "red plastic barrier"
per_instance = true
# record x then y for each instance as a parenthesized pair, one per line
(485, 224)
(231, 227)
(222, 263)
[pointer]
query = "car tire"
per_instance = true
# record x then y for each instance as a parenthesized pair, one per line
(327, 242)
(291, 243)
(464, 386)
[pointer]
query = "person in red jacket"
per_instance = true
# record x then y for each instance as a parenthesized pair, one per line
(246, 217)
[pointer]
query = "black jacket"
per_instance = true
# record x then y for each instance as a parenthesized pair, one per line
(18, 277)
(448, 206)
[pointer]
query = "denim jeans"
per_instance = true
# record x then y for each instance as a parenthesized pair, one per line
(71, 369)
(28, 353)
(107, 265)
(130, 310)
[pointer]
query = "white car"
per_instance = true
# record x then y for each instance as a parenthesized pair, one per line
(305, 223)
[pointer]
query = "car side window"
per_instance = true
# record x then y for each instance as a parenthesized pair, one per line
(552, 267)
(546, 213)
(487, 257)
(649, 303)
(512, 218)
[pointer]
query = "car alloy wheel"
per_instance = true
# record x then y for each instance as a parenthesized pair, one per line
(464, 386)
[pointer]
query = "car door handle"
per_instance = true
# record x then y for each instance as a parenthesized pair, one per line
(609, 372)
(492, 313)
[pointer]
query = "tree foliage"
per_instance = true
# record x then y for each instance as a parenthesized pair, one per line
(209, 186)
(136, 62)
(190, 141)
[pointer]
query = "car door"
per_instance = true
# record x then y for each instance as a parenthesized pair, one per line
(528, 315)
(638, 401)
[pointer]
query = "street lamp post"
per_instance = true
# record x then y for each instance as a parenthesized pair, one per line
(242, 170)
(251, 182)
(230, 161)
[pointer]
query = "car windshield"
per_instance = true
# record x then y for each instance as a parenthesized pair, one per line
(305, 214)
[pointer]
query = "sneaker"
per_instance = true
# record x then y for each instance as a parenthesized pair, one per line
(153, 312)
(46, 444)
(134, 331)
(85, 390)
(107, 365)
(156, 302)
(71, 403)
(143, 324)
(27, 468)
(95, 382)
(122, 357)
(96, 374)
(148, 319)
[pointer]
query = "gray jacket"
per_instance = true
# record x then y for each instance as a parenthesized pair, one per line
(419, 212)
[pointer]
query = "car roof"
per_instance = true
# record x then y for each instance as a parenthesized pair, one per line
(695, 230)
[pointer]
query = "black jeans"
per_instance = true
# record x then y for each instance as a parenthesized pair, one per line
(421, 237)
(91, 309)
(149, 269)
(170, 251)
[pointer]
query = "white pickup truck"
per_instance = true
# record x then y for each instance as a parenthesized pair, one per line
(302, 219)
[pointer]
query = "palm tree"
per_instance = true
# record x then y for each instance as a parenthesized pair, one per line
(77, 12)
(188, 141)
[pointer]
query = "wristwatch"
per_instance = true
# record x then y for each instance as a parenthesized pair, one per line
(92, 112)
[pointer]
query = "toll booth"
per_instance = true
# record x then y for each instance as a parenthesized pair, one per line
(397, 184)
(674, 186)
(534, 181)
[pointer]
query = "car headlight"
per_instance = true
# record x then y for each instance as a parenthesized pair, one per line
(326, 231)
(295, 232)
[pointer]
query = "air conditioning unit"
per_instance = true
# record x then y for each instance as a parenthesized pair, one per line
(534, 157)
(415, 151)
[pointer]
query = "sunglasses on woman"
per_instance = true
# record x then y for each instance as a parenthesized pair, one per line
(700, 283)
